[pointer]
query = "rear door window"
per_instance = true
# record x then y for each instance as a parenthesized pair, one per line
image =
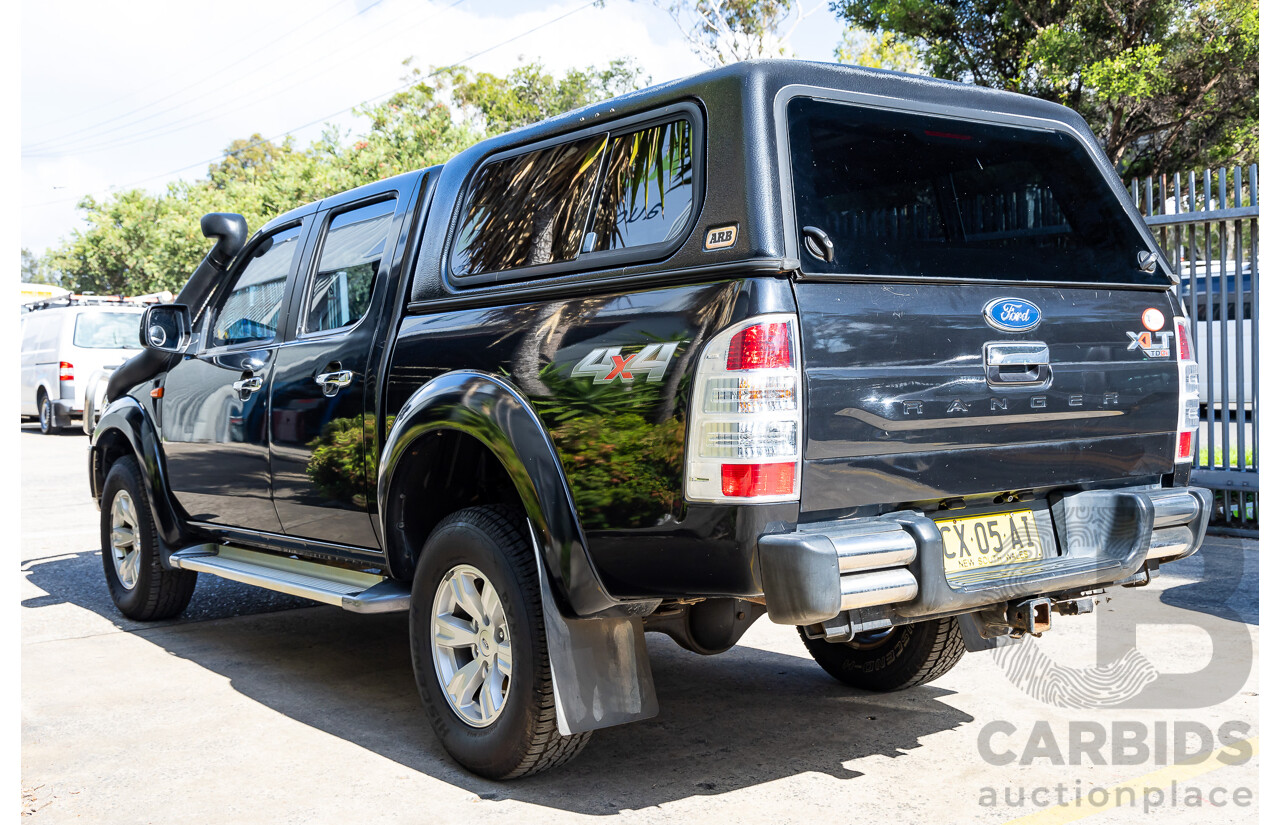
(915, 195)
(349, 257)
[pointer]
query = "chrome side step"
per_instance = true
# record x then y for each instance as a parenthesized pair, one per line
(349, 589)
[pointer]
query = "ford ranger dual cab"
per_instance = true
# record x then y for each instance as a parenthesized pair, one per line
(889, 359)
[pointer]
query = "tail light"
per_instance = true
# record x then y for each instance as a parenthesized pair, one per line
(746, 417)
(66, 372)
(1188, 393)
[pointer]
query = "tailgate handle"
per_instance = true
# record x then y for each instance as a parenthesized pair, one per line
(1016, 362)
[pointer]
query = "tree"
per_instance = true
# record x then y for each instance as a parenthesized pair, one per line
(883, 50)
(530, 94)
(35, 270)
(247, 158)
(728, 31)
(1165, 84)
(136, 243)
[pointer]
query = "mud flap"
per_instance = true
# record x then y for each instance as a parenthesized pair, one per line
(599, 667)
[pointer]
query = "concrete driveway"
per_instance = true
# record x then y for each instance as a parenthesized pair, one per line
(255, 707)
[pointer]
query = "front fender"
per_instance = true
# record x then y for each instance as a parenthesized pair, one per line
(494, 412)
(125, 419)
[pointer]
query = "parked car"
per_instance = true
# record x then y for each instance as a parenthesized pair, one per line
(65, 344)
(891, 360)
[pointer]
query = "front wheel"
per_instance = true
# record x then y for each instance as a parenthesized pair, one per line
(480, 650)
(140, 586)
(892, 659)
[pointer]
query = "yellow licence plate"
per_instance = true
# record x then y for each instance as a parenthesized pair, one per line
(990, 540)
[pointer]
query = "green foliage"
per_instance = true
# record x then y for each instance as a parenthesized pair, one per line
(881, 50)
(726, 31)
(1166, 84)
(341, 461)
(571, 398)
(137, 242)
(622, 469)
(246, 159)
(36, 271)
(530, 94)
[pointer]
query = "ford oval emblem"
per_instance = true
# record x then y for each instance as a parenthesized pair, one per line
(1012, 315)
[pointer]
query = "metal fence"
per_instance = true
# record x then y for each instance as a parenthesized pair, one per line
(1207, 225)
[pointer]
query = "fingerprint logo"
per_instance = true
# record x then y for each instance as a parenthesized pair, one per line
(1029, 669)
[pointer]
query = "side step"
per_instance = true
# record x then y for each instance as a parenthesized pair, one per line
(348, 589)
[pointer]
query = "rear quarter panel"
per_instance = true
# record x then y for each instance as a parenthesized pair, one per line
(621, 442)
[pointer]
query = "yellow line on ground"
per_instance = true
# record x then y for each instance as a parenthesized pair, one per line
(1162, 778)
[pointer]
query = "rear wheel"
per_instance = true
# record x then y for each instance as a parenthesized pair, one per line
(140, 586)
(48, 417)
(891, 659)
(480, 650)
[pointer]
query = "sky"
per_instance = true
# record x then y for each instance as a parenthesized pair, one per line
(113, 100)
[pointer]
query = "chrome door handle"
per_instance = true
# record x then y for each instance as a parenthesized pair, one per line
(247, 385)
(1016, 362)
(341, 378)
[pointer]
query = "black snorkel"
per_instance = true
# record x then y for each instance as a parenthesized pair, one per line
(231, 231)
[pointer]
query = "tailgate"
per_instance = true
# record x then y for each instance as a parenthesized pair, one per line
(913, 395)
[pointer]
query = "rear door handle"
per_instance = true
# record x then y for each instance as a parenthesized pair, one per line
(247, 385)
(331, 382)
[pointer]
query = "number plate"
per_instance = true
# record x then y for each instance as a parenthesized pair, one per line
(990, 540)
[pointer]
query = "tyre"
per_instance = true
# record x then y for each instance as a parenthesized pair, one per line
(48, 418)
(140, 587)
(479, 647)
(894, 659)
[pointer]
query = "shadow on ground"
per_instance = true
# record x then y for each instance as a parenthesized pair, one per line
(741, 719)
(736, 720)
(77, 578)
(1221, 580)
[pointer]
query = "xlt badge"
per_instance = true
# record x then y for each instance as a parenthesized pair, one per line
(1152, 344)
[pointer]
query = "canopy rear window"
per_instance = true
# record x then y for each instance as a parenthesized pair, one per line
(912, 195)
(582, 200)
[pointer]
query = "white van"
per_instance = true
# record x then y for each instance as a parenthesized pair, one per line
(62, 347)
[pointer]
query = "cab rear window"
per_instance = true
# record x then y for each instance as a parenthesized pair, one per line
(913, 195)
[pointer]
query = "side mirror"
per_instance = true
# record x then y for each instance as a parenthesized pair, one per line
(166, 327)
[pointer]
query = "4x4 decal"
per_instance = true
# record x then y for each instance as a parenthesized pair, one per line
(604, 364)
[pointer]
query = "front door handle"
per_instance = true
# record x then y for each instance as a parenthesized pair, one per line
(331, 382)
(247, 385)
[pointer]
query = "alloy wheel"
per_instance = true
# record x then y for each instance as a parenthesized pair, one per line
(471, 646)
(126, 544)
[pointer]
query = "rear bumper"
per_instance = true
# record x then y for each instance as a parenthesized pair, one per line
(895, 561)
